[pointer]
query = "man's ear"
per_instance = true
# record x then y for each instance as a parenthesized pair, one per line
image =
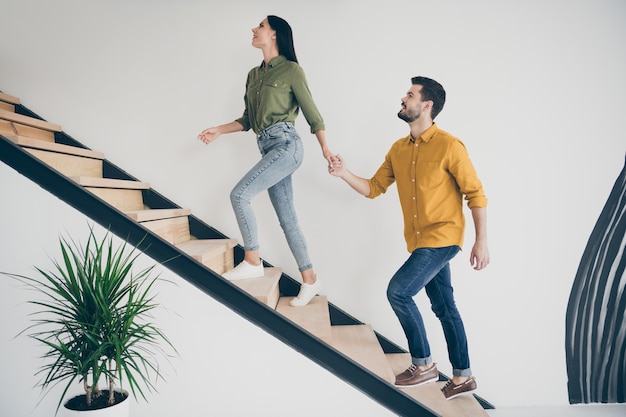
(428, 106)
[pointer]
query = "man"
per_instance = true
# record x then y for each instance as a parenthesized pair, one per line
(433, 172)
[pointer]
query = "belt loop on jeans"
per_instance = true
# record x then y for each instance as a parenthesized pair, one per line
(264, 133)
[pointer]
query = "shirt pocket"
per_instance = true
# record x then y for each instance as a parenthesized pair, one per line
(429, 173)
(277, 97)
(277, 84)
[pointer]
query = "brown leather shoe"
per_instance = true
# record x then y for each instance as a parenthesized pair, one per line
(452, 390)
(413, 376)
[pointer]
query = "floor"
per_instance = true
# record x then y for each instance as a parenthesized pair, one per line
(595, 410)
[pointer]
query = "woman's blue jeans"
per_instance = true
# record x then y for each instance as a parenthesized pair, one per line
(282, 153)
(429, 268)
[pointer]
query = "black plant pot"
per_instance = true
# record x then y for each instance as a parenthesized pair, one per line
(77, 406)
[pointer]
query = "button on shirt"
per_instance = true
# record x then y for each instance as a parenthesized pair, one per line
(276, 95)
(433, 173)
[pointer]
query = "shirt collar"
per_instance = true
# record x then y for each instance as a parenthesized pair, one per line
(274, 62)
(427, 135)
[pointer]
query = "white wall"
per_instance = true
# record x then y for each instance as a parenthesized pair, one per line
(535, 90)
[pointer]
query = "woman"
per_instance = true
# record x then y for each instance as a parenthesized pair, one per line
(275, 91)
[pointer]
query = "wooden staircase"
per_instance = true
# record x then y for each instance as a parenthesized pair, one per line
(85, 167)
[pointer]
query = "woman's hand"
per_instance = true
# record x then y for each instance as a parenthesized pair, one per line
(209, 135)
(328, 156)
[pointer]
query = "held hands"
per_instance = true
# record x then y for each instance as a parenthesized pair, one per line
(337, 167)
(328, 155)
(209, 135)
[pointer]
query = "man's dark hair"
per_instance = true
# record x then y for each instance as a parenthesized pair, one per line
(433, 91)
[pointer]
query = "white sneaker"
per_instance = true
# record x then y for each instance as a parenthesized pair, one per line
(243, 271)
(307, 292)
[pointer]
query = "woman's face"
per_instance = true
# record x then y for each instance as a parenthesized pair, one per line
(263, 35)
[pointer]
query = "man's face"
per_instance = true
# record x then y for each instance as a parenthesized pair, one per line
(412, 104)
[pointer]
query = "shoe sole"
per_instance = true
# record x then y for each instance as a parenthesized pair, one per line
(433, 379)
(299, 303)
(228, 278)
(459, 394)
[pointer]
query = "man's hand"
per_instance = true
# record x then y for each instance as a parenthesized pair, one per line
(339, 169)
(479, 257)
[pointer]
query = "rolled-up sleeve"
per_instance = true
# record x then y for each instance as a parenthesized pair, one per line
(382, 179)
(303, 96)
(244, 120)
(464, 173)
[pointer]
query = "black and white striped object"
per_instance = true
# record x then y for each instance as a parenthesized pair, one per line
(595, 340)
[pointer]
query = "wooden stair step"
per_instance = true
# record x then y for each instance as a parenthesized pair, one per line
(314, 317)
(7, 106)
(124, 195)
(9, 128)
(29, 121)
(171, 224)
(173, 229)
(157, 214)
(13, 124)
(8, 102)
(216, 254)
(7, 98)
(55, 147)
(359, 343)
(95, 182)
(430, 394)
(265, 288)
(69, 160)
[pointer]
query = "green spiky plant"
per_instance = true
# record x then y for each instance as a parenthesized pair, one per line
(93, 319)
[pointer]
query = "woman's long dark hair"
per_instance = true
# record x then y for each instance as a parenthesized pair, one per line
(284, 37)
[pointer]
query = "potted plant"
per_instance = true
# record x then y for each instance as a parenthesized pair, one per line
(93, 317)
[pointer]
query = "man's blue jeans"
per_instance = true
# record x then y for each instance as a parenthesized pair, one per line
(429, 268)
(282, 153)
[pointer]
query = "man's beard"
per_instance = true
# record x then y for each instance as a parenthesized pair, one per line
(409, 117)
